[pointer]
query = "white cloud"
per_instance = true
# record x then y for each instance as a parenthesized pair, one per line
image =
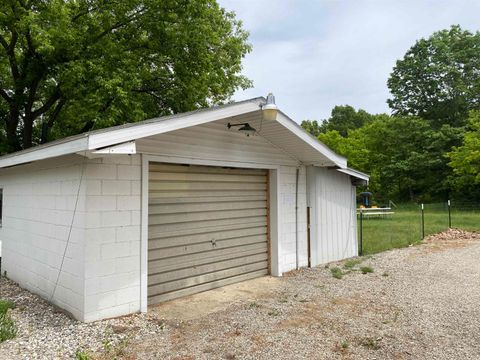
(317, 54)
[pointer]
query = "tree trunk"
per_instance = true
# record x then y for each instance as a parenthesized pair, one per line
(27, 133)
(12, 124)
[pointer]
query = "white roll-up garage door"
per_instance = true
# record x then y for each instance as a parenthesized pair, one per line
(208, 227)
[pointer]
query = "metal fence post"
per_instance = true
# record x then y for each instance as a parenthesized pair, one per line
(361, 232)
(423, 222)
(449, 215)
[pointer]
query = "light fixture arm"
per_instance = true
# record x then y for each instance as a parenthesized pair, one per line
(229, 125)
(245, 128)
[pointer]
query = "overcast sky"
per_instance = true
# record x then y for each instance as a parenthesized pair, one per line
(315, 54)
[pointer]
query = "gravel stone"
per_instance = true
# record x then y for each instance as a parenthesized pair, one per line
(420, 302)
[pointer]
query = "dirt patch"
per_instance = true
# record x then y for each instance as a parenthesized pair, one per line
(208, 302)
(451, 239)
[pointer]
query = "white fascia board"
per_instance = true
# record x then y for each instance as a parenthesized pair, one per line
(46, 152)
(108, 138)
(128, 147)
(291, 125)
(355, 173)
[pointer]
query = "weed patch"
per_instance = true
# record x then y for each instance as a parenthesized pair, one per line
(336, 272)
(253, 305)
(8, 330)
(274, 312)
(370, 343)
(350, 264)
(366, 269)
(81, 355)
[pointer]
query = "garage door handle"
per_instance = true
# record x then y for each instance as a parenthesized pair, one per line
(214, 243)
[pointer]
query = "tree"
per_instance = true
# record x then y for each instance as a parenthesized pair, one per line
(403, 155)
(312, 127)
(343, 118)
(72, 66)
(465, 159)
(438, 79)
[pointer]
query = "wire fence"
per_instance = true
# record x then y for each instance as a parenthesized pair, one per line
(391, 227)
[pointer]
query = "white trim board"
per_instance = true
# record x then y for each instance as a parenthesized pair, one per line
(310, 140)
(354, 173)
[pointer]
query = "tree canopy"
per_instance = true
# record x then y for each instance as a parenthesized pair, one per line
(438, 79)
(342, 119)
(71, 66)
(404, 155)
(465, 159)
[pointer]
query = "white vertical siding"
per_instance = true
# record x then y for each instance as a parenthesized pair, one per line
(333, 218)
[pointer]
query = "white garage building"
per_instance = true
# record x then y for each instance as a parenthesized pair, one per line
(108, 222)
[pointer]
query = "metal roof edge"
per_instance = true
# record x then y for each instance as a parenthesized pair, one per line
(290, 124)
(355, 173)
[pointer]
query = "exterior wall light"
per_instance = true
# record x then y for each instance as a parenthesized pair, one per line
(270, 110)
(244, 128)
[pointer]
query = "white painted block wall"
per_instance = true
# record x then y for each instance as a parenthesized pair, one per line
(38, 204)
(287, 235)
(112, 237)
(99, 276)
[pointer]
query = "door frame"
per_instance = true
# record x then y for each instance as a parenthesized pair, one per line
(273, 210)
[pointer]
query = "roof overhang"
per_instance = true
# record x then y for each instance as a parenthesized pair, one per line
(358, 178)
(285, 132)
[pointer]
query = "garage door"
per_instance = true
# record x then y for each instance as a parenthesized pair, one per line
(207, 228)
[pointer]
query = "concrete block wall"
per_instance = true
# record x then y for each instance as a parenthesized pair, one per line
(94, 206)
(38, 218)
(287, 234)
(112, 236)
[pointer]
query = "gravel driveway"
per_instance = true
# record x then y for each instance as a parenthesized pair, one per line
(421, 302)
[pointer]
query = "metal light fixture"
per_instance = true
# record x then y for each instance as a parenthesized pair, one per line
(270, 110)
(244, 128)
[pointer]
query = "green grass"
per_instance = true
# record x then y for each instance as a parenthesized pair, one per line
(350, 264)
(405, 227)
(5, 305)
(81, 355)
(366, 269)
(8, 330)
(337, 273)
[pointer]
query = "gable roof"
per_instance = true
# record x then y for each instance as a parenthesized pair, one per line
(108, 137)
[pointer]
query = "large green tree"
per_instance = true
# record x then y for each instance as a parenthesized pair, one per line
(465, 160)
(404, 156)
(343, 118)
(438, 79)
(68, 66)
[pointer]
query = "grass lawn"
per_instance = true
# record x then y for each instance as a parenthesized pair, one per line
(405, 226)
(7, 326)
